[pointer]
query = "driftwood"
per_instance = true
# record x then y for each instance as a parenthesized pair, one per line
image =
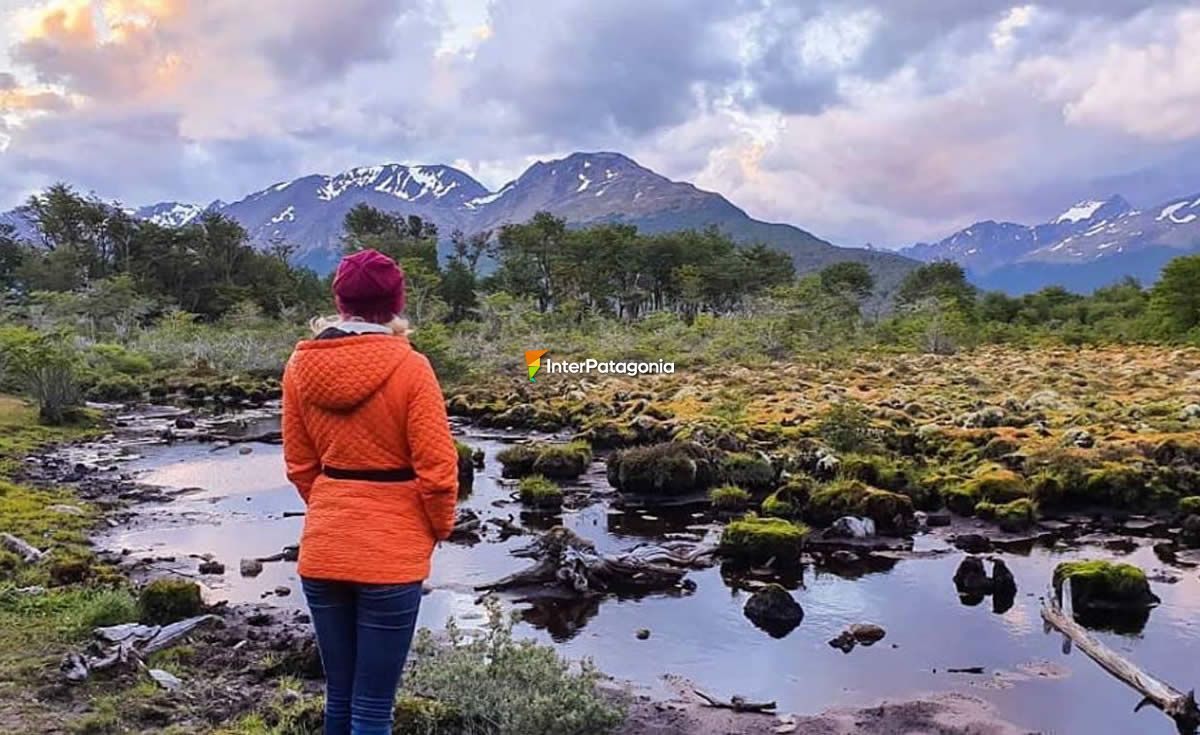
(735, 703)
(1178, 706)
(129, 642)
(563, 558)
(28, 552)
(508, 527)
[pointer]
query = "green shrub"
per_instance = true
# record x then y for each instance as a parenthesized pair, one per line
(538, 492)
(845, 426)
(117, 359)
(1190, 505)
(117, 387)
(748, 471)
(1118, 485)
(729, 497)
(758, 540)
(164, 601)
(515, 687)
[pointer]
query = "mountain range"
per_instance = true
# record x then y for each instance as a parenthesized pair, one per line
(583, 188)
(1091, 244)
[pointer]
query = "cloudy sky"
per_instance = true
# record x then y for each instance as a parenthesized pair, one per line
(882, 121)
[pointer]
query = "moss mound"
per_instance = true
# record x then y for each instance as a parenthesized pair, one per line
(557, 461)
(537, 491)
(790, 500)
(758, 540)
(997, 485)
(1019, 515)
(890, 511)
(1103, 585)
(748, 471)
(164, 601)
(1190, 506)
(670, 468)
(729, 497)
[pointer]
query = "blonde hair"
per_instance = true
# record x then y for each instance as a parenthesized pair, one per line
(318, 324)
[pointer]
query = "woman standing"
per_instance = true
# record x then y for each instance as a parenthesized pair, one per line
(368, 446)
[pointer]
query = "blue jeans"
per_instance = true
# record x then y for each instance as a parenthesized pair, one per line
(363, 632)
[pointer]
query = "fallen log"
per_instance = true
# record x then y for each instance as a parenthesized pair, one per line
(266, 437)
(1178, 706)
(735, 703)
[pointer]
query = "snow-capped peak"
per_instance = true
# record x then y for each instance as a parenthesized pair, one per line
(170, 214)
(1079, 212)
(408, 183)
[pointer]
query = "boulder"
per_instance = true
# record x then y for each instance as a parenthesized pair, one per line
(851, 527)
(1098, 586)
(867, 634)
(250, 567)
(972, 543)
(773, 609)
(164, 601)
(1004, 584)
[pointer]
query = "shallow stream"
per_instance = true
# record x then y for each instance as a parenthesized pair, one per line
(235, 504)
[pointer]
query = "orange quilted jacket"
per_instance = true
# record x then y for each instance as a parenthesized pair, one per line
(368, 402)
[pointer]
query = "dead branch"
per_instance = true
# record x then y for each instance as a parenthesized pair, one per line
(1178, 706)
(735, 703)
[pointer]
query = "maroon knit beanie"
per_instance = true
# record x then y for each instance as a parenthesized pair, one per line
(369, 285)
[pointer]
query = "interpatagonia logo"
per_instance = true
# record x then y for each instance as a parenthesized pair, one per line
(533, 361)
(535, 364)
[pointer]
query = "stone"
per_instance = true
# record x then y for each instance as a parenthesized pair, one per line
(212, 567)
(844, 641)
(184, 422)
(643, 634)
(282, 591)
(851, 527)
(245, 450)
(937, 520)
(773, 609)
(251, 567)
(1190, 412)
(165, 679)
(867, 634)
(1081, 438)
(972, 543)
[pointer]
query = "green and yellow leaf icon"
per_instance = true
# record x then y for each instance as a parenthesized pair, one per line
(533, 359)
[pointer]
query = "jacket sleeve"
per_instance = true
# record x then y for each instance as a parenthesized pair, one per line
(299, 453)
(434, 456)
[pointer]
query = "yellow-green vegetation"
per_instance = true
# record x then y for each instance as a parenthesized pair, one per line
(729, 497)
(790, 500)
(757, 540)
(537, 491)
(1017, 515)
(748, 471)
(1101, 585)
(557, 461)
(844, 497)
(1190, 505)
(997, 485)
(164, 601)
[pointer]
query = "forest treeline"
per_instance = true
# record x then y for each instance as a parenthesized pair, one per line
(108, 297)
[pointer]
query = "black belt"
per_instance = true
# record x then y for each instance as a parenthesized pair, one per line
(403, 474)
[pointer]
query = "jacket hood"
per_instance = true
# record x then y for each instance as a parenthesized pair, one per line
(339, 374)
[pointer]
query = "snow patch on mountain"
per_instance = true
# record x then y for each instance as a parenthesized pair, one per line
(1079, 211)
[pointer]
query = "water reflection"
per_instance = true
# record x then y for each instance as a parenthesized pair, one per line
(703, 634)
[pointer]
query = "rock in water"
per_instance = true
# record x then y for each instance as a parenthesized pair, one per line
(867, 634)
(251, 567)
(851, 527)
(972, 543)
(845, 641)
(971, 579)
(212, 567)
(773, 609)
